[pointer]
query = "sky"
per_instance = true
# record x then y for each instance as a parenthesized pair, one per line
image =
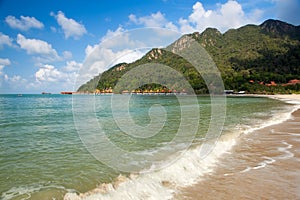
(54, 46)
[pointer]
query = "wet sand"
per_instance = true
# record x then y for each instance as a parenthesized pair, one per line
(265, 164)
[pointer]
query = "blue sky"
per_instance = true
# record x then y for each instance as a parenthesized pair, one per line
(45, 45)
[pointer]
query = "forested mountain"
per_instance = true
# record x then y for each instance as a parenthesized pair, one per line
(254, 58)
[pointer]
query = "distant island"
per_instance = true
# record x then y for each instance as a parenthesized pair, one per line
(259, 59)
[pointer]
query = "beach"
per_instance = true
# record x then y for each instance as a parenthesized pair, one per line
(259, 162)
(264, 164)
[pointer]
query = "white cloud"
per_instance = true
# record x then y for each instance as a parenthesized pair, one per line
(185, 26)
(47, 73)
(225, 16)
(1, 68)
(3, 62)
(15, 83)
(154, 20)
(5, 40)
(70, 27)
(102, 59)
(48, 77)
(72, 66)
(99, 58)
(14, 79)
(38, 47)
(24, 23)
(198, 13)
(109, 34)
(67, 55)
(118, 39)
(115, 47)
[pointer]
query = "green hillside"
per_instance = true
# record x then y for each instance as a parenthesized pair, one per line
(255, 59)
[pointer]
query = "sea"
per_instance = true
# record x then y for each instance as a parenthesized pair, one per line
(54, 144)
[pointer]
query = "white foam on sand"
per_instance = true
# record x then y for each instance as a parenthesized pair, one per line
(161, 184)
(286, 154)
(285, 150)
(264, 163)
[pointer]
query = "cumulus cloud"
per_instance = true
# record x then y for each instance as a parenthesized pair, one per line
(112, 46)
(5, 40)
(38, 47)
(72, 66)
(48, 73)
(51, 78)
(115, 47)
(13, 83)
(3, 62)
(15, 79)
(225, 16)
(24, 23)
(109, 34)
(118, 39)
(154, 20)
(99, 58)
(70, 27)
(185, 26)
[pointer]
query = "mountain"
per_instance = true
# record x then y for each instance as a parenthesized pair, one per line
(253, 58)
(281, 29)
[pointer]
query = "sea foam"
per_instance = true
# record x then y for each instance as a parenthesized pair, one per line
(161, 184)
(185, 171)
(26, 192)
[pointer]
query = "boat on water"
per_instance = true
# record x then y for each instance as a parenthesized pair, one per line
(46, 93)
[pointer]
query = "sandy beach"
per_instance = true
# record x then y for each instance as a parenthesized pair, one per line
(264, 164)
(283, 97)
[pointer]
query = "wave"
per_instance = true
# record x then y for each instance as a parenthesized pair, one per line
(187, 170)
(161, 184)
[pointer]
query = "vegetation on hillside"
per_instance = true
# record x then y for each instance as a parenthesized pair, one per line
(255, 59)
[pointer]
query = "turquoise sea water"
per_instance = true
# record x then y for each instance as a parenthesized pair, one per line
(43, 157)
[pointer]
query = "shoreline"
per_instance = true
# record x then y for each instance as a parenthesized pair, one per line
(281, 97)
(289, 98)
(105, 190)
(262, 165)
